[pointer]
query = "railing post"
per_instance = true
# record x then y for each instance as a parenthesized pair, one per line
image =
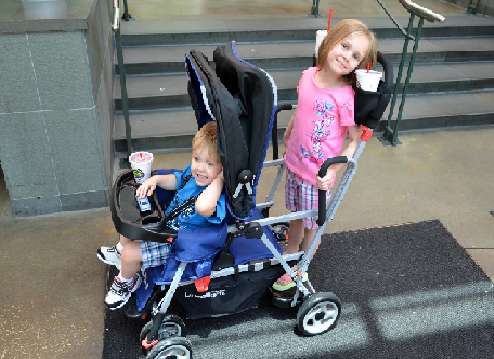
(473, 9)
(395, 140)
(387, 135)
(126, 16)
(314, 11)
(122, 76)
(390, 135)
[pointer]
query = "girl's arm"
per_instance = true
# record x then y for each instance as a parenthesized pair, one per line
(354, 134)
(168, 182)
(329, 180)
(207, 201)
(289, 128)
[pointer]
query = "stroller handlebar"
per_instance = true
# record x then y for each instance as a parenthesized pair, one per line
(321, 194)
(285, 107)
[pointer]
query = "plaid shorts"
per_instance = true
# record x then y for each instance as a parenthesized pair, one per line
(301, 195)
(153, 254)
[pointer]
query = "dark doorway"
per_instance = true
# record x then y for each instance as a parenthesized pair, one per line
(5, 208)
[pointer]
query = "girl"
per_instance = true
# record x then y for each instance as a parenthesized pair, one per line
(322, 121)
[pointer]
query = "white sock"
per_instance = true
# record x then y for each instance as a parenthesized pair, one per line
(119, 247)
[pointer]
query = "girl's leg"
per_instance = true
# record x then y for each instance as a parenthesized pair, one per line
(295, 236)
(308, 237)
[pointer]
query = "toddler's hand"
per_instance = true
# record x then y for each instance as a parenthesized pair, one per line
(219, 179)
(220, 176)
(327, 182)
(147, 188)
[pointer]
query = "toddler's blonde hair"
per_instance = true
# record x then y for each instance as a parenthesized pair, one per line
(206, 136)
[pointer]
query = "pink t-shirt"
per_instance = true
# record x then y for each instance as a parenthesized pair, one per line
(320, 126)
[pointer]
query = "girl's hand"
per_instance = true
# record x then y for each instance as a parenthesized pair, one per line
(327, 182)
(147, 188)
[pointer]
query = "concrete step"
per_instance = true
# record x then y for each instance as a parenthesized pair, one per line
(196, 30)
(171, 129)
(147, 92)
(452, 84)
(299, 54)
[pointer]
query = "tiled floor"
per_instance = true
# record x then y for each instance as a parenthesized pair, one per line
(52, 285)
(431, 175)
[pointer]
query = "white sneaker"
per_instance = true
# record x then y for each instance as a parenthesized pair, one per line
(109, 255)
(120, 292)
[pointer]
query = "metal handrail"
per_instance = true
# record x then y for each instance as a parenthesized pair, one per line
(126, 16)
(421, 11)
(390, 133)
(122, 73)
(473, 9)
(314, 10)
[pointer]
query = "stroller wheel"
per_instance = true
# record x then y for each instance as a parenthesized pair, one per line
(171, 326)
(176, 347)
(318, 314)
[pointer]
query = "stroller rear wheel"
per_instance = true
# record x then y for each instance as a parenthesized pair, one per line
(176, 347)
(318, 314)
(171, 326)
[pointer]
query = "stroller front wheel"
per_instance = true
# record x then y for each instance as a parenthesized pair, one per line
(318, 314)
(176, 347)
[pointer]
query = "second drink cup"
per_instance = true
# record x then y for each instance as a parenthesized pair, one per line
(368, 80)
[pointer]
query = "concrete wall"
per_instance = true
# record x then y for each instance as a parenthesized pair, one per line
(55, 116)
(101, 54)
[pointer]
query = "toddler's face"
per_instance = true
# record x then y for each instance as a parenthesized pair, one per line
(205, 168)
(347, 54)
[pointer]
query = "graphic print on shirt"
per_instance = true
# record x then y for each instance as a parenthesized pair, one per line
(186, 212)
(323, 109)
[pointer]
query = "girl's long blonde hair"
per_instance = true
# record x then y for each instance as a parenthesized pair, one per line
(342, 30)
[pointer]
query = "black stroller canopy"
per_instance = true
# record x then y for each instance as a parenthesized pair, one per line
(241, 98)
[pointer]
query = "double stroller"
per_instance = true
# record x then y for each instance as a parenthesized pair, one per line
(229, 268)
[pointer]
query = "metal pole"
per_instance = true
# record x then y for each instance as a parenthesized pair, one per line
(126, 16)
(123, 90)
(388, 134)
(315, 8)
(473, 9)
(407, 81)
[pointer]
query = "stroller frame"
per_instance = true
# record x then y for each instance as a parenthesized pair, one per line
(312, 303)
(306, 258)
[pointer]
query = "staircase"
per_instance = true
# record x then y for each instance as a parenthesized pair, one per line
(452, 83)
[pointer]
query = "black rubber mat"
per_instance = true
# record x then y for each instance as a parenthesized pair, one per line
(407, 291)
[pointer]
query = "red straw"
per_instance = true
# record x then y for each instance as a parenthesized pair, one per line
(330, 15)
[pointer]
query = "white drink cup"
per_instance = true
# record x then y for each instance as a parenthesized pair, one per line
(320, 35)
(141, 164)
(368, 80)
